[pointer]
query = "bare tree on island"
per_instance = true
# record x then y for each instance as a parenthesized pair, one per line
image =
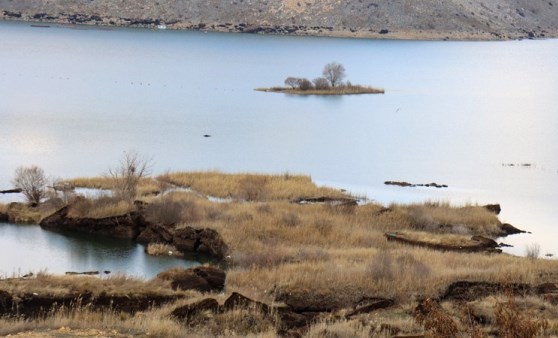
(292, 82)
(334, 72)
(127, 175)
(32, 182)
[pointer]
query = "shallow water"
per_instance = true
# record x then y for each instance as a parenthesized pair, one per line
(28, 248)
(453, 113)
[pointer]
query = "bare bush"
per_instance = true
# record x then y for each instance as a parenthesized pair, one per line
(321, 83)
(532, 251)
(514, 323)
(334, 73)
(127, 175)
(32, 182)
(292, 82)
(305, 84)
(435, 320)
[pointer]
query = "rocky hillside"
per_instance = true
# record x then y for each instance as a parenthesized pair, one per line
(395, 19)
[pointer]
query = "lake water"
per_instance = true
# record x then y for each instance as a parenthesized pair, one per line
(453, 113)
(59, 253)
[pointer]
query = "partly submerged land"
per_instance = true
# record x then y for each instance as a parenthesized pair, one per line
(423, 20)
(292, 259)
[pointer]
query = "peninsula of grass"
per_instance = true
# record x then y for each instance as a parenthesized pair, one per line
(312, 253)
(331, 83)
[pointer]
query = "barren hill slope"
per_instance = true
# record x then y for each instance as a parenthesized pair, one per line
(426, 19)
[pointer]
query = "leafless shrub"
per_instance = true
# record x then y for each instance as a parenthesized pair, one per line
(321, 83)
(127, 175)
(513, 323)
(305, 84)
(532, 251)
(32, 182)
(292, 82)
(409, 265)
(434, 319)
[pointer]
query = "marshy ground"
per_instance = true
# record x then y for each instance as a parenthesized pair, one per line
(312, 253)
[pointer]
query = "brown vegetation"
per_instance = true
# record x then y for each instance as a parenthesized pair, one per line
(325, 257)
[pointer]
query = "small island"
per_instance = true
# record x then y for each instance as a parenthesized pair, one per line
(331, 83)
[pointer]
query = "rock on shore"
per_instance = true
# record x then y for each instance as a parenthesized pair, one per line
(429, 19)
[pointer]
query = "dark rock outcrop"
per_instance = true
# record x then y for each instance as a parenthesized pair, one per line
(412, 185)
(124, 226)
(205, 241)
(327, 200)
(469, 291)
(187, 312)
(508, 229)
(201, 278)
(4, 218)
(134, 226)
(368, 305)
(32, 305)
(475, 244)
(494, 208)
(236, 301)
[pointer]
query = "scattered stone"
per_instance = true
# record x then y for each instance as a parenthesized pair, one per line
(384, 31)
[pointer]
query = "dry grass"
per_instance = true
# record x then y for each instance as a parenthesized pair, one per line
(3, 208)
(147, 186)
(250, 187)
(101, 207)
(117, 285)
(441, 217)
(322, 252)
(160, 249)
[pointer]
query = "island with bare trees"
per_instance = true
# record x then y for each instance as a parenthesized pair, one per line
(330, 83)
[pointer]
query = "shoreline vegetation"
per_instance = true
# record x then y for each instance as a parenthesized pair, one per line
(296, 260)
(330, 83)
(345, 90)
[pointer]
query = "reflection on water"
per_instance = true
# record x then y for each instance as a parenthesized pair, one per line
(59, 253)
(453, 112)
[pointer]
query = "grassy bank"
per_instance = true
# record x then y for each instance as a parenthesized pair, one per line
(285, 252)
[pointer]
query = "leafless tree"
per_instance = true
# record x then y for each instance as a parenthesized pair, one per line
(321, 83)
(32, 182)
(292, 82)
(304, 84)
(127, 175)
(334, 73)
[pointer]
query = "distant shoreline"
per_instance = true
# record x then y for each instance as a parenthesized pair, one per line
(384, 34)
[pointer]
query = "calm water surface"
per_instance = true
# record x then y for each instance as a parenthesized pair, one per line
(453, 113)
(28, 248)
